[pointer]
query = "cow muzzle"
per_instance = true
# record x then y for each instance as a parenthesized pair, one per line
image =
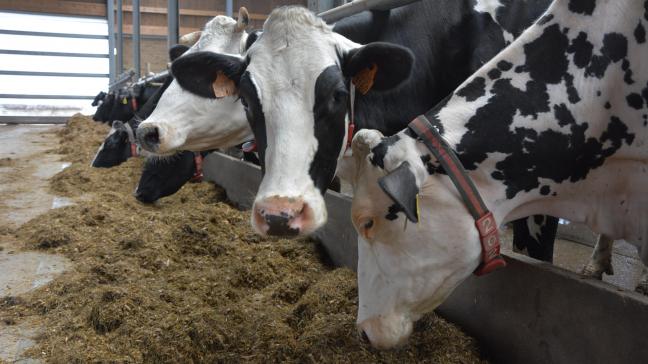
(148, 137)
(282, 216)
(386, 331)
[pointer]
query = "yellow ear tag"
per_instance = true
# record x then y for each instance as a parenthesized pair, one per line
(223, 86)
(364, 79)
(124, 101)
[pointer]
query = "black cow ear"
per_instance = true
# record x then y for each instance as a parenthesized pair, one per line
(176, 51)
(209, 74)
(252, 37)
(400, 186)
(378, 65)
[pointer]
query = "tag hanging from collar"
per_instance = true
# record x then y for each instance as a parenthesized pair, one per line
(351, 127)
(198, 161)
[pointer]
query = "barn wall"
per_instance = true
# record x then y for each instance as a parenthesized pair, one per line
(193, 16)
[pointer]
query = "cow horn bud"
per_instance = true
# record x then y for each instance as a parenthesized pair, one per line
(190, 39)
(243, 19)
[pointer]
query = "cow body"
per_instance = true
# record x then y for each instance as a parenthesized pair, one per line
(555, 124)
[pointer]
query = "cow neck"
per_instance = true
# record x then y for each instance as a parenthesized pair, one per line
(484, 219)
(131, 139)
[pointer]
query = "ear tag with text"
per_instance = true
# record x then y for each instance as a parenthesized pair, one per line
(223, 86)
(364, 79)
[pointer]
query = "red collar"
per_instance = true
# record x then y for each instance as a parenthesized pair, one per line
(198, 175)
(484, 220)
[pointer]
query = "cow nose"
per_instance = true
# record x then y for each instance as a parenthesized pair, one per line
(281, 216)
(144, 197)
(149, 138)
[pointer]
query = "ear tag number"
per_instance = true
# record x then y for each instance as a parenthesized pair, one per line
(364, 79)
(223, 86)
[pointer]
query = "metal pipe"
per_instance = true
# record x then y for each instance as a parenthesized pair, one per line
(158, 77)
(173, 14)
(120, 39)
(229, 8)
(110, 9)
(122, 79)
(136, 38)
(358, 6)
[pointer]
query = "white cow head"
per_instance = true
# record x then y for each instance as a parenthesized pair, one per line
(294, 84)
(410, 257)
(185, 121)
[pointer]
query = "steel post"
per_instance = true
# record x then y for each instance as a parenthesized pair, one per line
(136, 38)
(173, 26)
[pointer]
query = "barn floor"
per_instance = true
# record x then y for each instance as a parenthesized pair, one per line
(25, 167)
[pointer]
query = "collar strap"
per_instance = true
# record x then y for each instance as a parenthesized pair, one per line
(198, 175)
(351, 127)
(484, 220)
(131, 139)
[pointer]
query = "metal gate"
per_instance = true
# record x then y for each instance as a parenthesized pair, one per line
(50, 66)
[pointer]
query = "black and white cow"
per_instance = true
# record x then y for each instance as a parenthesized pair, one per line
(184, 121)
(450, 39)
(557, 124)
(164, 176)
(120, 143)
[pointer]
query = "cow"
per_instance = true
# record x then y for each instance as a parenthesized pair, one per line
(295, 82)
(164, 176)
(184, 121)
(120, 143)
(557, 123)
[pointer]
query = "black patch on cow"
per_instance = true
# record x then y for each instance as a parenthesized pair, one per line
(197, 71)
(392, 212)
(546, 56)
(627, 77)
(400, 186)
(607, 105)
(176, 51)
(635, 101)
(640, 33)
(541, 248)
(475, 89)
(331, 100)
(582, 49)
(504, 65)
(432, 168)
(615, 48)
(545, 19)
(252, 37)
(164, 176)
(494, 74)
(585, 7)
(545, 190)
(598, 93)
(394, 63)
(563, 115)
(572, 92)
(254, 113)
(379, 151)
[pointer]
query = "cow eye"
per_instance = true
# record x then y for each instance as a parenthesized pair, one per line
(339, 96)
(366, 227)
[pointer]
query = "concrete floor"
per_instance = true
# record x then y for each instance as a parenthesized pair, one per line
(24, 170)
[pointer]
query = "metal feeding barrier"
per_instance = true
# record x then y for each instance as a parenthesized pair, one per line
(358, 6)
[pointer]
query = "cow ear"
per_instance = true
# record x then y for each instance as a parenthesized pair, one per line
(400, 186)
(209, 74)
(176, 51)
(378, 65)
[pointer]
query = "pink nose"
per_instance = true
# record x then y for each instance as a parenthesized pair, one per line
(282, 216)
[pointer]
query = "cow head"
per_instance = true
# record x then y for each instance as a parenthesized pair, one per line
(164, 176)
(116, 148)
(416, 240)
(294, 84)
(185, 121)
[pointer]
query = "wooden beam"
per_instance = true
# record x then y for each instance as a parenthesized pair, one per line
(62, 7)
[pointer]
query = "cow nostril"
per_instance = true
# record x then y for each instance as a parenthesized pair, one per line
(364, 337)
(149, 137)
(152, 136)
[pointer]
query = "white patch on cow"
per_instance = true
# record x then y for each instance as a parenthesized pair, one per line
(535, 230)
(488, 6)
(189, 122)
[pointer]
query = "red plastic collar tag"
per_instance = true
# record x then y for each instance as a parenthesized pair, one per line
(134, 150)
(198, 175)
(134, 103)
(350, 131)
(490, 242)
